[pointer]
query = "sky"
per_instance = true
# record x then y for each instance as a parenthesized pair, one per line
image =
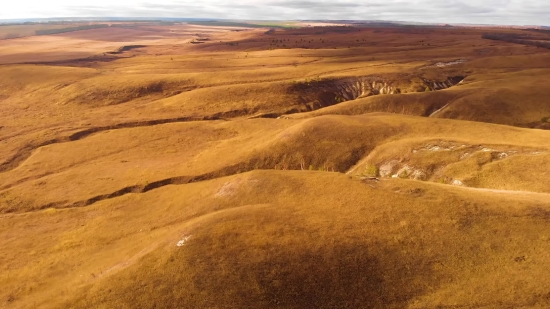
(504, 12)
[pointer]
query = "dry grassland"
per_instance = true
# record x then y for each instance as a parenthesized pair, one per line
(190, 166)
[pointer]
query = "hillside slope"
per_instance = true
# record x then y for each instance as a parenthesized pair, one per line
(193, 166)
(286, 239)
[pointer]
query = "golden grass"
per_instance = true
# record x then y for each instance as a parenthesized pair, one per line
(292, 239)
(106, 163)
(140, 156)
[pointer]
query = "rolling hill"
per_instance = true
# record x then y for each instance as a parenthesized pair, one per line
(216, 166)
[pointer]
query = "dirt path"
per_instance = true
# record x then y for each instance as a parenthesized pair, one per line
(439, 110)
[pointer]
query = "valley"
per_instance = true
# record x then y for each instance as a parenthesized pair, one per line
(191, 165)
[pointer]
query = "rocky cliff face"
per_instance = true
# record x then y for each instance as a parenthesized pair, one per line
(325, 92)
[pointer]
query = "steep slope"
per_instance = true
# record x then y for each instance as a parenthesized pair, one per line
(142, 158)
(285, 239)
(336, 167)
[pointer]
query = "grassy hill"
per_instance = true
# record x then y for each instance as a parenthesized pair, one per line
(288, 239)
(330, 167)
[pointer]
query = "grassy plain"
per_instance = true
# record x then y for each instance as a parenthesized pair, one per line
(312, 167)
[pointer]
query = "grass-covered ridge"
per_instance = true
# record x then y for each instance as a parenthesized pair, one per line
(325, 167)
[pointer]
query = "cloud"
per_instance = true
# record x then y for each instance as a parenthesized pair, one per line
(449, 11)
(313, 5)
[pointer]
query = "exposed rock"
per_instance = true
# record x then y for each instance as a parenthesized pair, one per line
(464, 156)
(387, 169)
(418, 175)
(457, 182)
(444, 153)
(446, 64)
(183, 241)
(320, 93)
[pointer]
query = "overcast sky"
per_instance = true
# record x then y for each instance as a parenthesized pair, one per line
(509, 12)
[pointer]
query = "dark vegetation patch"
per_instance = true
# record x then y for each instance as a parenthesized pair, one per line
(524, 39)
(70, 29)
(225, 24)
(126, 48)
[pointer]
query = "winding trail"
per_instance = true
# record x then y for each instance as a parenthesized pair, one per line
(439, 110)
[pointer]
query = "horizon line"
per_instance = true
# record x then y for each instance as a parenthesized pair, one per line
(115, 18)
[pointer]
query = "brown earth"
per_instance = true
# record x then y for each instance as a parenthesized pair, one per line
(321, 167)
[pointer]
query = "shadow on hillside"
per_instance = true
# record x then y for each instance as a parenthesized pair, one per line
(344, 276)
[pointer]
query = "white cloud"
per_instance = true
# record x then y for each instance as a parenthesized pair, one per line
(449, 11)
